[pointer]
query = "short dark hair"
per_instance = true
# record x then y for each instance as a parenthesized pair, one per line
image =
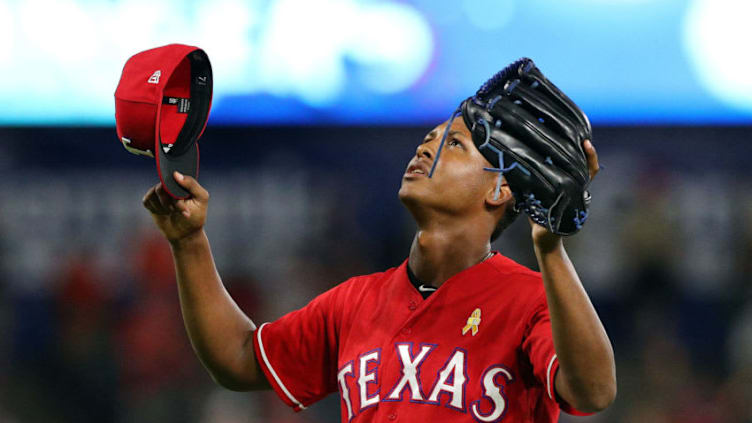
(510, 214)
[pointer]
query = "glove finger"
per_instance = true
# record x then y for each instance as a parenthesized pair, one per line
(546, 193)
(532, 74)
(552, 114)
(539, 179)
(551, 147)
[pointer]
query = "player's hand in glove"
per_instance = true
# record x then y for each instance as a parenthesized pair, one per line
(533, 134)
(178, 219)
(542, 237)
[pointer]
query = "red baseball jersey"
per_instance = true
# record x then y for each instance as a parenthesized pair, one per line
(478, 349)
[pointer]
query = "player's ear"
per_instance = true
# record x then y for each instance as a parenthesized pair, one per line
(496, 198)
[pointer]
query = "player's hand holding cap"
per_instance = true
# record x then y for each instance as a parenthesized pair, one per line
(161, 108)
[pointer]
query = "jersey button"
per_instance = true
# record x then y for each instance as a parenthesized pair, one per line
(392, 416)
(406, 331)
(412, 305)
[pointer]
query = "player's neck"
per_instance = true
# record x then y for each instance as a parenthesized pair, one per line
(440, 252)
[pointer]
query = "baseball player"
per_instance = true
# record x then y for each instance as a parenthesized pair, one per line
(457, 332)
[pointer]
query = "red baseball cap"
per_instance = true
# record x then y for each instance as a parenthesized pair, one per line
(162, 104)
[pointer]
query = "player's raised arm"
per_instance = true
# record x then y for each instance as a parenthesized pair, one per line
(587, 377)
(539, 140)
(221, 334)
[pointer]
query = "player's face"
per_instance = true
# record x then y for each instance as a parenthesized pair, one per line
(459, 184)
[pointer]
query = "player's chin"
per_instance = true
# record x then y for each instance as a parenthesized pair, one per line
(404, 192)
(416, 197)
(409, 193)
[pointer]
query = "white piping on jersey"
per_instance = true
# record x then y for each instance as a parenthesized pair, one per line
(548, 376)
(271, 369)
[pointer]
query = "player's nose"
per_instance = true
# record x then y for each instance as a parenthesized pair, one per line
(425, 151)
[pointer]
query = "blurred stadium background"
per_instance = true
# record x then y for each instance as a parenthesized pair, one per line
(318, 107)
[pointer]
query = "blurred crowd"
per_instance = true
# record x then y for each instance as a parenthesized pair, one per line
(91, 319)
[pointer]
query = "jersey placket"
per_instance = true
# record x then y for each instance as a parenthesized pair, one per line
(416, 306)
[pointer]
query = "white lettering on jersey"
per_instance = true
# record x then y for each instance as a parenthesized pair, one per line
(494, 393)
(452, 379)
(343, 372)
(410, 372)
(368, 377)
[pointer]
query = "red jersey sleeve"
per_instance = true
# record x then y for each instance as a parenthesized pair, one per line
(298, 352)
(538, 344)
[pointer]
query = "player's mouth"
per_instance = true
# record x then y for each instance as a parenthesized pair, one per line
(416, 170)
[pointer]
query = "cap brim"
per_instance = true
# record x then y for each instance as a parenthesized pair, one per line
(186, 163)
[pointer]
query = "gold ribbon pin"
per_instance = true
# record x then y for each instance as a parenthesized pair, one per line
(472, 322)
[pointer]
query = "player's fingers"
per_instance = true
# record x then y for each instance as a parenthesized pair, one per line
(182, 207)
(147, 196)
(191, 184)
(167, 202)
(592, 158)
(152, 203)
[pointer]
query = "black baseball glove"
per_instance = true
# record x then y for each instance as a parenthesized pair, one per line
(533, 133)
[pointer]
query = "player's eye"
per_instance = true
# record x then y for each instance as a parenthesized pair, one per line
(455, 143)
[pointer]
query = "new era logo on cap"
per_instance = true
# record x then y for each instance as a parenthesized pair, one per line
(154, 78)
(163, 112)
